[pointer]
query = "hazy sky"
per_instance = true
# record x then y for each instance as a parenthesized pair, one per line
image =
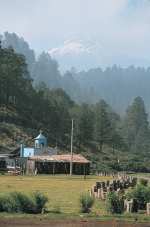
(83, 33)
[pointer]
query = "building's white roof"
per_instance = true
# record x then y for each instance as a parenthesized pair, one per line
(4, 155)
(40, 136)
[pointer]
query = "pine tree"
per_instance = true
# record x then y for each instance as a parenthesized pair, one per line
(137, 133)
(103, 126)
(86, 125)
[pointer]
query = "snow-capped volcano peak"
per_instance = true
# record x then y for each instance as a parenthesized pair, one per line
(73, 47)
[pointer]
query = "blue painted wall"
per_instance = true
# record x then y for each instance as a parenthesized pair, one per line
(27, 152)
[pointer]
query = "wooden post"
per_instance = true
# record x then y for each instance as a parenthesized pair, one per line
(99, 193)
(148, 208)
(84, 171)
(65, 168)
(53, 168)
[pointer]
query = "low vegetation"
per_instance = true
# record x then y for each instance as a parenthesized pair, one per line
(61, 196)
(144, 181)
(19, 202)
(86, 202)
(140, 195)
(115, 204)
(63, 191)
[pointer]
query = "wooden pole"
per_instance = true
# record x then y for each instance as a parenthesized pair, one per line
(84, 171)
(53, 168)
(71, 159)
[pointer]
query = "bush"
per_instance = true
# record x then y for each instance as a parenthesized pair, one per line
(114, 203)
(144, 182)
(140, 194)
(40, 201)
(86, 202)
(22, 203)
(7, 203)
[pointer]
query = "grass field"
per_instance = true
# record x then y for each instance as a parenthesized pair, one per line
(63, 191)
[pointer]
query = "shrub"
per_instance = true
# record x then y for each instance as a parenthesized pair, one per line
(25, 202)
(7, 203)
(114, 203)
(40, 201)
(16, 202)
(22, 203)
(86, 202)
(134, 182)
(140, 194)
(144, 182)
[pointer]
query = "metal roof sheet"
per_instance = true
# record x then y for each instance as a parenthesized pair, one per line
(77, 158)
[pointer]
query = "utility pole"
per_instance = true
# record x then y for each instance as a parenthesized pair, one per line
(71, 159)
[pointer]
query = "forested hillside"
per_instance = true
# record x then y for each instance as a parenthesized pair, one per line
(118, 86)
(110, 141)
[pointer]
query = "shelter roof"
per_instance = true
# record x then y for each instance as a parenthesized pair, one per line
(77, 158)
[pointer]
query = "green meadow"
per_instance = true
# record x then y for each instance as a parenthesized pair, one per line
(63, 193)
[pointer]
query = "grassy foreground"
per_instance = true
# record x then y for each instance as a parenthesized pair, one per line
(63, 193)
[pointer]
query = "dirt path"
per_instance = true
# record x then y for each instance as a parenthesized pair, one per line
(50, 223)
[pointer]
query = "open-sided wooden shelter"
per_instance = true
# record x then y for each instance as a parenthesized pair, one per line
(58, 164)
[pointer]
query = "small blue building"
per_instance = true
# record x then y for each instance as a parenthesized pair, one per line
(40, 148)
(40, 141)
